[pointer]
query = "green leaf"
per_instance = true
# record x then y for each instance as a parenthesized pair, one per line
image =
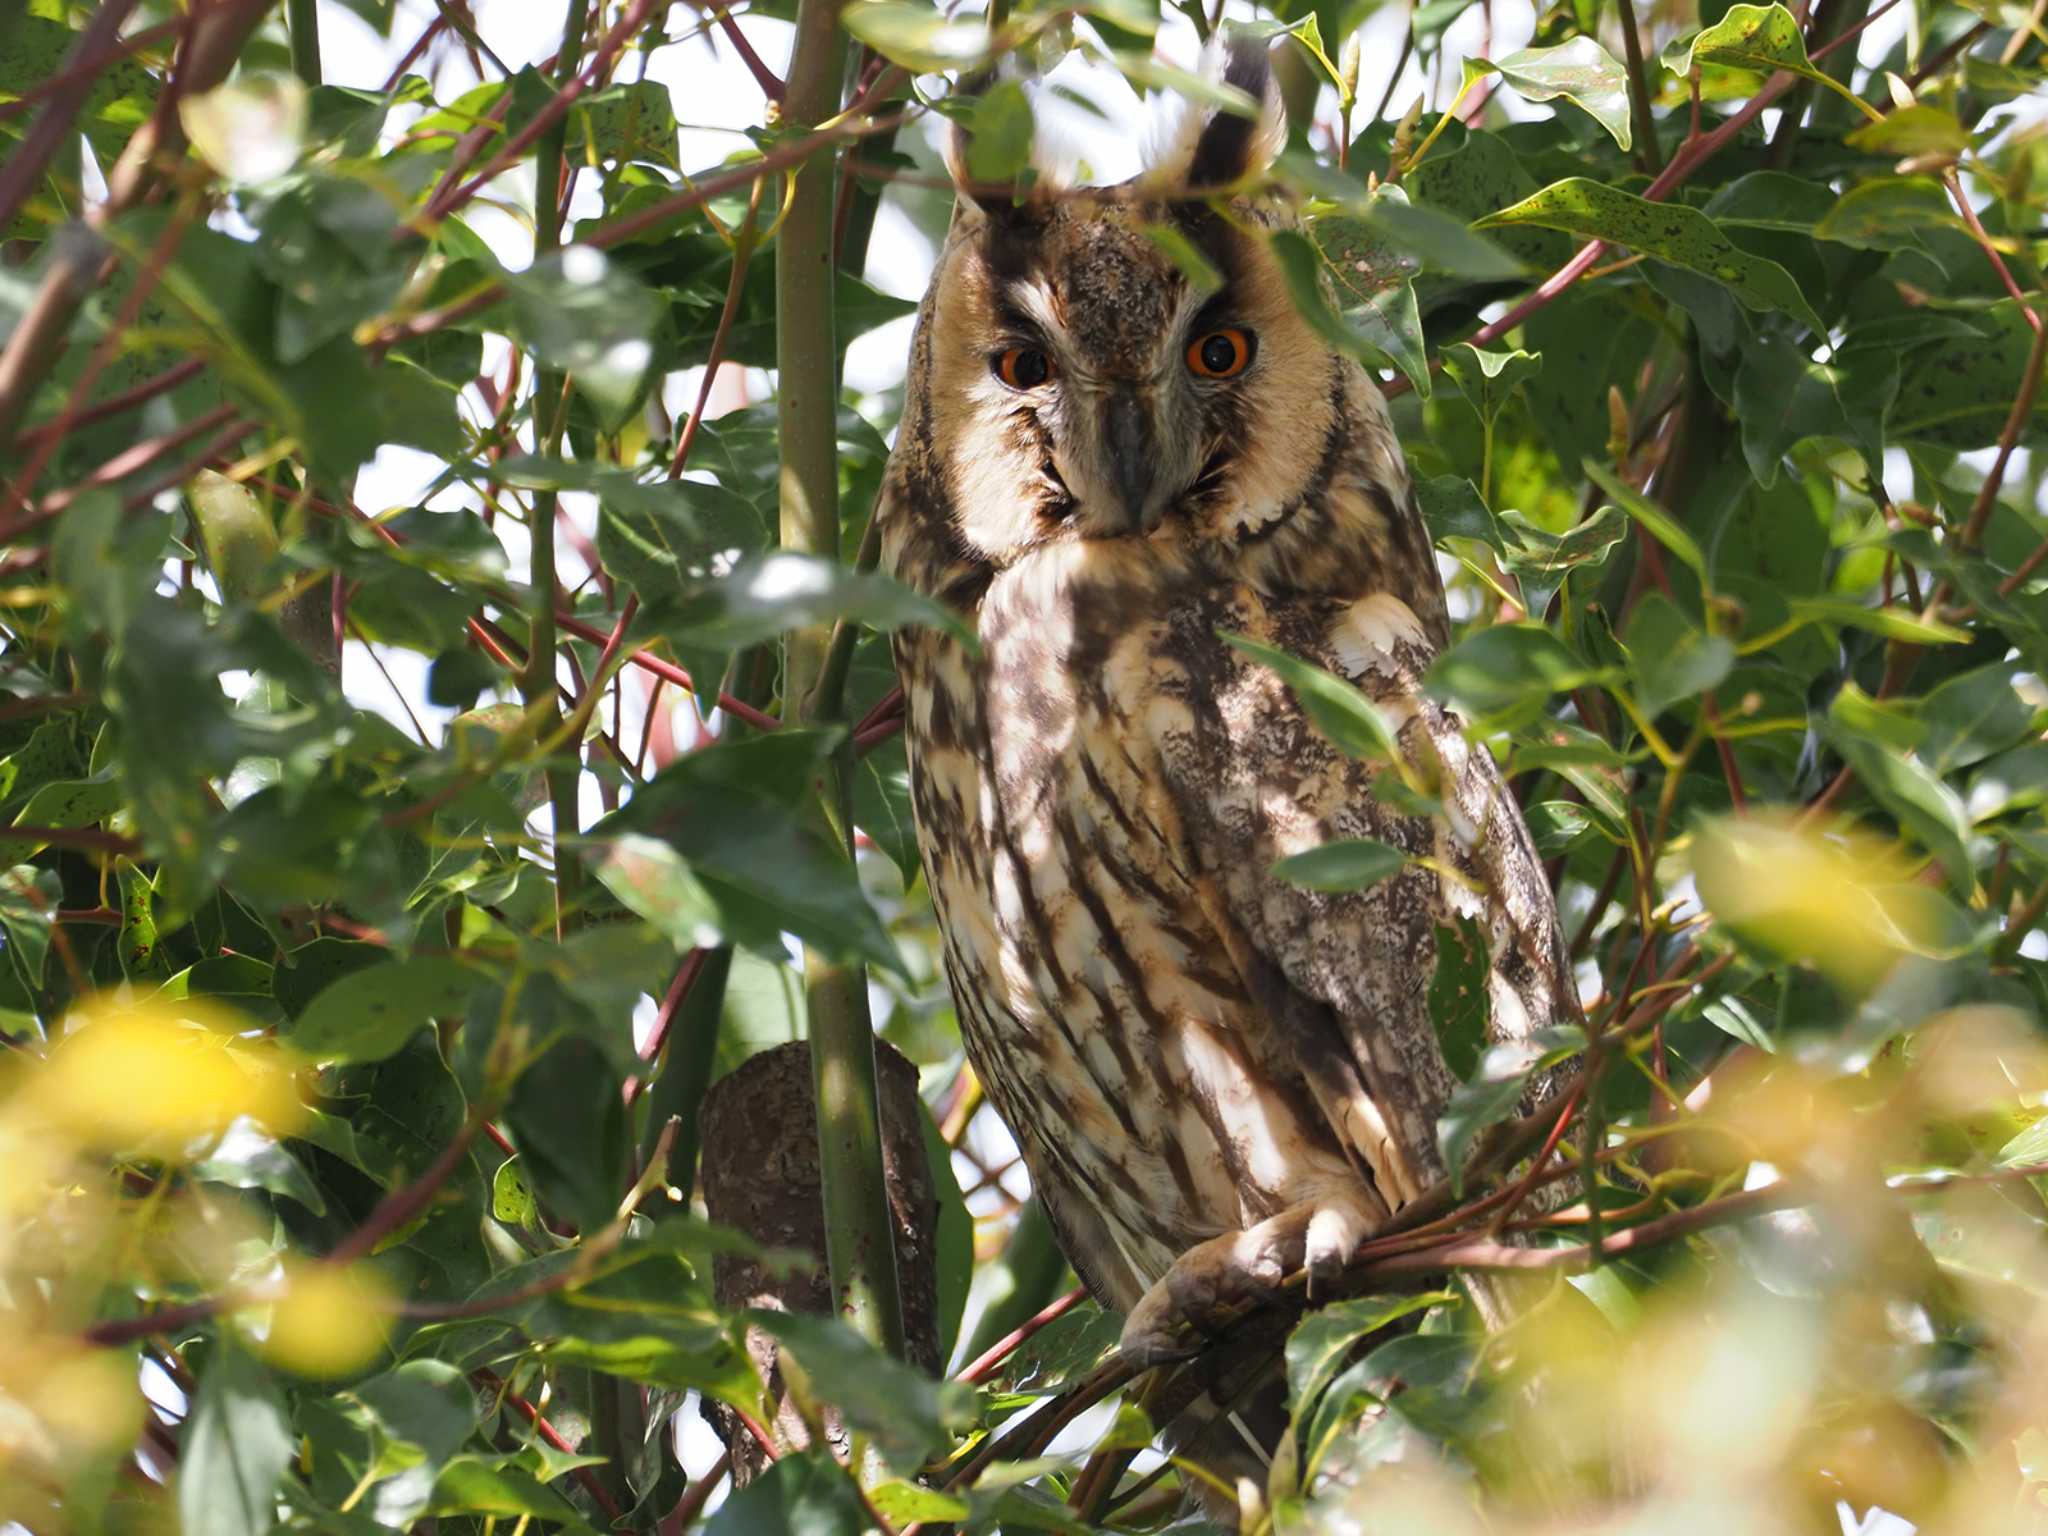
(1496, 1088)
(1507, 668)
(1540, 561)
(1459, 1002)
(647, 1318)
(1783, 397)
(1351, 721)
(1792, 205)
(807, 1494)
(1916, 130)
(1971, 716)
(1888, 213)
(1580, 71)
(1380, 326)
(567, 1115)
(581, 312)
(369, 1014)
(782, 590)
(632, 121)
(234, 1450)
(1452, 508)
(1891, 623)
(1958, 393)
(1488, 380)
(29, 899)
(302, 974)
(732, 813)
(919, 37)
(1194, 264)
(1758, 38)
(512, 1199)
(492, 1486)
(1925, 808)
(246, 1157)
(425, 1405)
(909, 1415)
(1000, 131)
(1439, 241)
(71, 803)
(1662, 526)
(905, 1503)
(1345, 864)
(238, 535)
(1671, 232)
(652, 879)
(1670, 659)
(1323, 1341)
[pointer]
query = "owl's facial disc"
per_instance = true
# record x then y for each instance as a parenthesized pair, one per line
(1110, 373)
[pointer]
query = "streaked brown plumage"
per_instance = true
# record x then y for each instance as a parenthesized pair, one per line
(1215, 1076)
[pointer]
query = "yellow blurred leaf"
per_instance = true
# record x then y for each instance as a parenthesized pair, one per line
(1828, 898)
(162, 1075)
(329, 1321)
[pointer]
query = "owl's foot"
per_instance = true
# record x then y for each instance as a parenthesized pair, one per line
(1205, 1286)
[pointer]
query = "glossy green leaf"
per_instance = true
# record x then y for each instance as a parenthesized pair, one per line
(583, 313)
(1506, 668)
(781, 590)
(235, 1449)
(368, 1014)
(1671, 232)
(1380, 325)
(1321, 1342)
(803, 1495)
(1580, 71)
(1496, 1088)
(732, 813)
(1971, 716)
(918, 37)
(1782, 398)
(1661, 525)
(1353, 723)
(909, 1415)
(1670, 659)
(1759, 38)
(1488, 380)
(1343, 864)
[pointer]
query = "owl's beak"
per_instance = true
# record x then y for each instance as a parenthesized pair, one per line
(1127, 439)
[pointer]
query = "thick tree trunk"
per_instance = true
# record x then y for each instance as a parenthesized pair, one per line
(760, 1175)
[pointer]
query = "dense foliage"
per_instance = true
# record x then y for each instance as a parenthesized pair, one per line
(324, 1116)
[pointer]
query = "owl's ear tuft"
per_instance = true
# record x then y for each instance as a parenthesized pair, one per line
(1207, 148)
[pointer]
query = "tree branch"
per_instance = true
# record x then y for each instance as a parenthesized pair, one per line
(859, 1242)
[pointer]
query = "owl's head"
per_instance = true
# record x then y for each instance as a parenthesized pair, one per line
(1073, 378)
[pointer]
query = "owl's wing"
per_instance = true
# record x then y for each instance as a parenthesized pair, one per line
(1343, 978)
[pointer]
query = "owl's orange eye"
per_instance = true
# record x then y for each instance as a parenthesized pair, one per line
(1023, 367)
(1221, 354)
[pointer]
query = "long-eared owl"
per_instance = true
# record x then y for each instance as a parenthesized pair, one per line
(1216, 1077)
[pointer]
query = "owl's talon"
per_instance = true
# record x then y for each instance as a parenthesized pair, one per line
(1201, 1293)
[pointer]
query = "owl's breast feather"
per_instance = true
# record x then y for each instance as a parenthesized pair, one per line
(1112, 1028)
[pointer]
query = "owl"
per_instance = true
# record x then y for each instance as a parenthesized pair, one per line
(1106, 464)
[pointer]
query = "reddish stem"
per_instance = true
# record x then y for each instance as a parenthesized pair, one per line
(548, 116)
(549, 1433)
(986, 1362)
(766, 78)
